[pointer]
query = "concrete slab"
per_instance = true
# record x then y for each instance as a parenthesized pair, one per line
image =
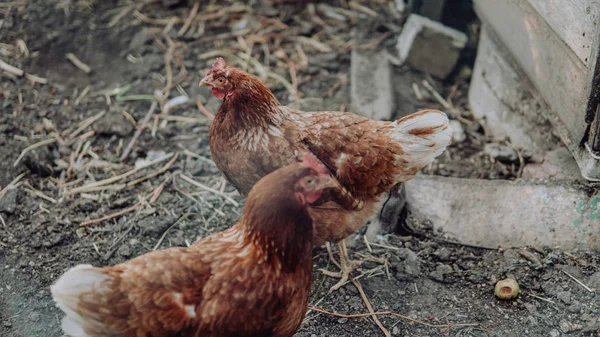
(494, 213)
(429, 46)
(371, 84)
(501, 95)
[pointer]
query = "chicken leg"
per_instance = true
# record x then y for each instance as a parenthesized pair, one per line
(346, 265)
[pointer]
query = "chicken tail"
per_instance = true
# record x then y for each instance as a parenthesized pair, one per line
(72, 292)
(423, 135)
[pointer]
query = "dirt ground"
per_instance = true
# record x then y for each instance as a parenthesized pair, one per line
(74, 129)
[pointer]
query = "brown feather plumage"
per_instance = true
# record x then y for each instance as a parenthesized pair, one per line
(250, 280)
(252, 135)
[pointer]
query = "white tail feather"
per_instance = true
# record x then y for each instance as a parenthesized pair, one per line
(423, 135)
(66, 293)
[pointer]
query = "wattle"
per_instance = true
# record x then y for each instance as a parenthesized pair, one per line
(218, 94)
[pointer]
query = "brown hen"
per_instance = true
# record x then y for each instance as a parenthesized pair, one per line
(251, 280)
(253, 134)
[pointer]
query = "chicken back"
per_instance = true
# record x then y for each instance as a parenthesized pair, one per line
(250, 280)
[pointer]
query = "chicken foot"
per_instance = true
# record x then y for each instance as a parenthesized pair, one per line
(346, 265)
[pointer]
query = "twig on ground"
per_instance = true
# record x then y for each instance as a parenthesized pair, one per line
(384, 246)
(168, 58)
(14, 4)
(78, 63)
(189, 19)
(204, 110)
(367, 243)
(145, 19)
(11, 69)
(181, 218)
(38, 194)
(139, 130)
(197, 156)
(390, 313)
(361, 8)
(437, 96)
(89, 187)
(209, 189)
(113, 215)
(294, 78)
(113, 247)
(86, 123)
(31, 147)
(541, 298)
(82, 95)
(417, 91)
(184, 119)
(370, 308)
(579, 282)
(153, 174)
(12, 184)
(119, 16)
(143, 201)
(173, 102)
(36, 79)
(158, 191)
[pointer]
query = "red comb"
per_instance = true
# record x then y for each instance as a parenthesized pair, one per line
(309, 160)
(218, 65)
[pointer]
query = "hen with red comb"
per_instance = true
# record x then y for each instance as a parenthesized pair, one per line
(253, 134)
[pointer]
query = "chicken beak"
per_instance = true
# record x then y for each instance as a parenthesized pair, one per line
(207, 81)
(327, 181)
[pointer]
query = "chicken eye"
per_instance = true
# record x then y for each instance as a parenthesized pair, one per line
(221, 81)
(310, 181)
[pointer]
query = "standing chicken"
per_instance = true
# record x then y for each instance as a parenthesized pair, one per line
(253, 134)
(251, 280)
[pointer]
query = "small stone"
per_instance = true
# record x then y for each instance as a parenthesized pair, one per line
(7, 324)
(458, 133)
(593, 281)
(574, 308)
(8, 203)
(429, 46)
(564, 296)
(139, 39)
(113, 123)
(443, 254)
(406, 264)
(502, 153)
(371, 85)
(124, 250)
(440, 271)
(81, 232)
(554, 333)
(34, 316)
(444, 269)
(343, 320)
(396, 331)
(400, 6)
(566, 326)
(532, 308)
(35, 243)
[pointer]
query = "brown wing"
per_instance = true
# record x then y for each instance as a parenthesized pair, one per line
(356, 149)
